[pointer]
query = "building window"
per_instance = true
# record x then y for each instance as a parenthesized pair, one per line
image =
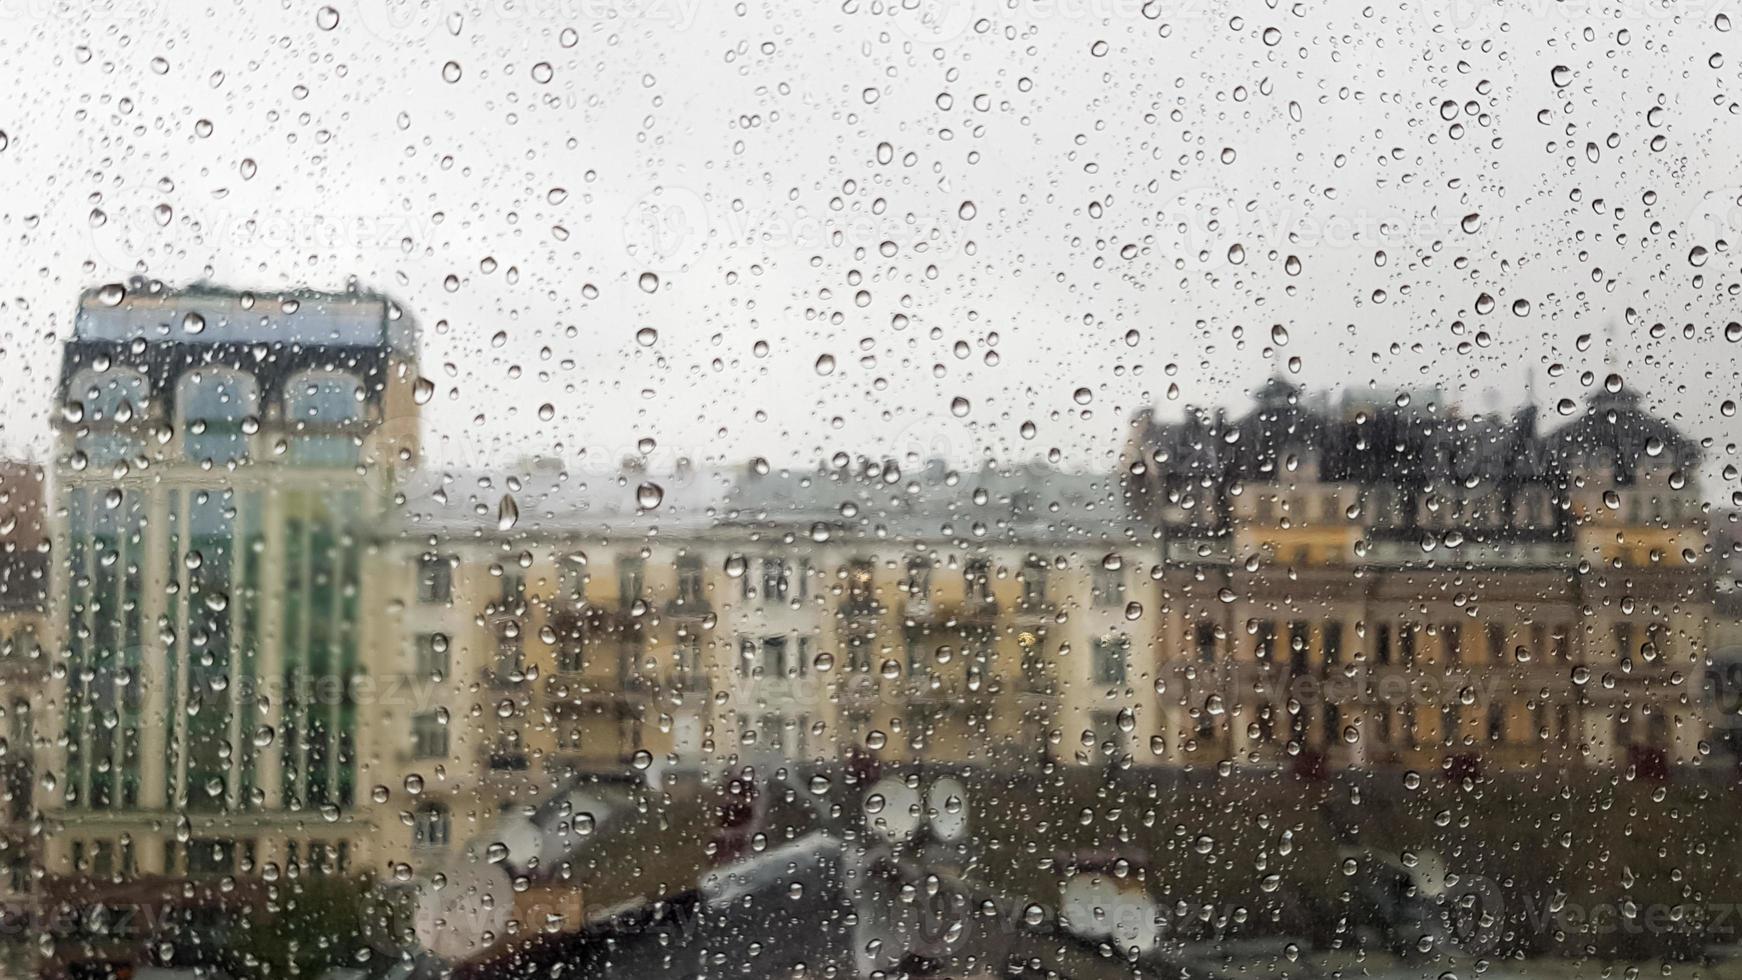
(774, 579)
(774, 663)
(860, 594)
(214, 404)
(1110, 739)
(918, 582)
(1109, 581)
(510, 651)
(435, 579)
(1299, 642)
(688, 657)
(211, 856)
(431, 826)
(1034, 573)
(631, 580)
(1451, 724)
(977, 580)
(513, 590)
(1624, 640)
(690, 593)
(1496, 643)
(1656, 647)
(429, 736)
(431, 655)
(1204, 639)
(1264, 640)
(571, 651)
(110, 404)
(323, 411)
(572, 578)
(1111, 656)
(1452, 637)
(1333, 642)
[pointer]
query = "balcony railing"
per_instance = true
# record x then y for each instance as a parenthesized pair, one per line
(688, 607)
(859, 688)
(508, 762)
(502, 675)
(855, 607)
(590, 686)
(973, 611)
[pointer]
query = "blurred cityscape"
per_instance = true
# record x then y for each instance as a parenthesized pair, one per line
(261, 658)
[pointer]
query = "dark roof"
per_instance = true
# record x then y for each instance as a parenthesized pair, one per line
(1407, 445)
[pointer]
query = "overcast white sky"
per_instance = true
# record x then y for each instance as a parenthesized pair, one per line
(1114, 153)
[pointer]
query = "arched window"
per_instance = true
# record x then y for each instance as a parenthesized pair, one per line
(109, 407)
(322, 410)
(213, 403)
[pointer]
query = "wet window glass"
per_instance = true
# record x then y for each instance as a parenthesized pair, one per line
(870, 489)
